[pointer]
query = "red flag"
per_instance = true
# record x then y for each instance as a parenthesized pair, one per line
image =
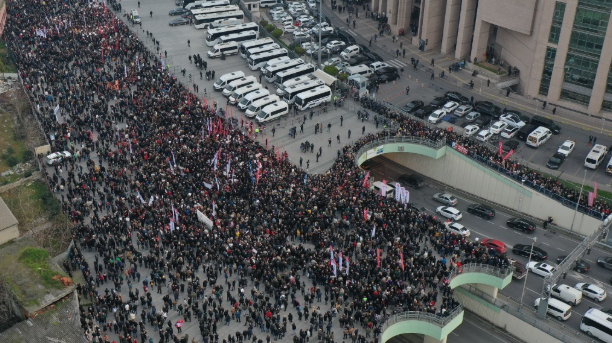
(378, 257)
(402, 260)
(365, 179)
(461, 149)
(595, 189)
(591, 198)
(510, 153)
(501, 148)
(365, 214)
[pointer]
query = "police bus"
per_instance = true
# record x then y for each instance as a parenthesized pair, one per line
(239, 37)
(259, 60)
(313, 98)
(270, 71)
(253, 44)
(213, 35)
(260, 49)
(292, 73)
(213, 9)
(292, 91)
(204, 21)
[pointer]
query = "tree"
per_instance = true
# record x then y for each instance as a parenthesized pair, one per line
(277, 33)
(298, 50)
(6, 305)
(270, 27)
(343, 76)
(331, 70)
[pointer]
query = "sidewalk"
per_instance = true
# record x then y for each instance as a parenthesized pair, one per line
(366, 28)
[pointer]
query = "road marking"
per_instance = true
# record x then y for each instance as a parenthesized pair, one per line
(351, 33)
(397, 63)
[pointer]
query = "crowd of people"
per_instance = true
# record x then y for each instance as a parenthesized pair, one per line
(182, 221)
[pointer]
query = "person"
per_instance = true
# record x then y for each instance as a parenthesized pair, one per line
(407, 90)
(151, 13)
(341, 120)
(349, 136)
(554, 111)
(189, 43)
(138, 4)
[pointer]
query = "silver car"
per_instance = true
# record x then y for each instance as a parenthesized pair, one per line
(445, 198)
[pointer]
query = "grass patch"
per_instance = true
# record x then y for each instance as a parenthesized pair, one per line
(9, 67)
(11, 149)
(33, 204)
(491, 68)
(38, 261)
(601, 195)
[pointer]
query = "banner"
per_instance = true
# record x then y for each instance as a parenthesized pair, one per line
(202, 218)
(151, 200)
(334, 267)
(591, 198)
(140, 197)
(501, 148)
(383, 189)
(401, 260)
(461, 149)
(340, 261)
(397, 192)
(510, 153)
(331, 253)
(347, 266)
(365, 214)
(378, 257)
(365, 179)
(214, 213)
(373, 231)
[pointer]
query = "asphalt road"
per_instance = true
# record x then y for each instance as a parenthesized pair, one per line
(554, 244)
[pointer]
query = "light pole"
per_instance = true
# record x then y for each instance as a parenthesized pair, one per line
(526, 275)
(578, 201)
(320, 29)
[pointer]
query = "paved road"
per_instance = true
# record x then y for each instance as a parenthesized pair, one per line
(554, 244)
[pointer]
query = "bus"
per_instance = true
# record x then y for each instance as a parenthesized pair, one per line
(292, 91)
(270, 71)
(189, 5)
(213, 35)
(259, 60)
(292, 73)
(313, 98)
(260, 49)
(253, 44)
(204, 21)
(596, 156)
(281, 88)
(597, 324)
(225, 22)
(213, 9)
(239, 37)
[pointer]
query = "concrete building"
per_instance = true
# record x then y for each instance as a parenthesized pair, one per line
(562, 49)
(9, 226)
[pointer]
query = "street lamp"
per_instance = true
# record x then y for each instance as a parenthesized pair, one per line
(320, 29)
(526, 275)
(578, 201)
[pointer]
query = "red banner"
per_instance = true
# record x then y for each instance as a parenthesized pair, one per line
(510, 153)
(402, 260)
(501, 148)
(461, 149)
(595, 189)
(365, 214)
(365, 179)
(591, 198)
(378, 257)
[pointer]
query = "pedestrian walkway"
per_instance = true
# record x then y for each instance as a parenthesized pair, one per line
(397, 63)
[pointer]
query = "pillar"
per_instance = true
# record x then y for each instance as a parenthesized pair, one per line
(451, 26)
(392, 8)
(382, 8)
(466, 28)
(481, 37)
(488, 290)
(601, 80)
(429, 339)
(375, 6)
(404, 12)
(433, 23)
(556, 80)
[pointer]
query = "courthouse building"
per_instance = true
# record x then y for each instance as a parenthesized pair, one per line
(562, 48)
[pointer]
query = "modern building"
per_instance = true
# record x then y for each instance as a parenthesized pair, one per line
(558, 47)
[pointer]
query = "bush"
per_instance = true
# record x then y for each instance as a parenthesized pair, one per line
(343, 77)
(27, 155)
(28, 173)
(263, 23)
(270, 27)
(10, 150)
(277, 33)
(12, 161)
(292, 46)
(298, 50)
(331, 70)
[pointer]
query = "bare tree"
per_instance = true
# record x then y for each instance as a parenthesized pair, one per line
(7, 313)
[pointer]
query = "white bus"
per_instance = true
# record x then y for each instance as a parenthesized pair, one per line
(596, 156)
(253, 44)
(227, 49)
(213, 35)
(256, 106)
(202, 4)
(275, 61)
(270, 71)
(239, 37)
(292, 73)
(313, 97)
(225, 22)
(260, 49)
(250, 98)
(597, 324)
(213, 9)
(259, 60)
(204, 21)
(281, 89)
(273, 112)
(292, 91)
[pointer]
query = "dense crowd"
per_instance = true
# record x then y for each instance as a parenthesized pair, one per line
(190, 223)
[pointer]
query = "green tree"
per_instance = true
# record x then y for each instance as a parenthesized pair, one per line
(343, 77)
(298, 50)
(270, 27)
(331, 70)
(277, 33)
(263, 23)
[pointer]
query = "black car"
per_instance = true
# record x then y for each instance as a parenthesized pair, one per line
(424, 111)
(388, 77)
(412, 106)
(488, 108)
(346, 37)
(363, 49)
(456, 97)
(481, 210)
(521, 225)
(556, 160)
(373, 56)
(330, 38)
(386, 70)
(524, 249)
(179, 21)
(581, 266)
(482, 121)
(412, 181)
(178, 11)
(525, 118)
(358, 59)
(438, 102)
(510, 145)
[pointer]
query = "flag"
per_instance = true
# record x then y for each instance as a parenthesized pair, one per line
(501, 148)
(402, 260)
(173, 159)
(217, 182)
(207, 185)
(365, 214)
(150, 200)
(140, 197)
(331, 253)
(125, 70)
(171, 226)
(510, 153)
(398, 188)
(595, 189)
(383, 189)
(171, 168)
(377, 257)
(591, 198)
(373, 231)
(333, 263)
(227, 168)
(214, 209)
(305, 179)
(365, 179)
(340, 261)
(130, 142)
(347, 266)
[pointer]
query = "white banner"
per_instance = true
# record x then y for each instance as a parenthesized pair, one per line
(202, 218)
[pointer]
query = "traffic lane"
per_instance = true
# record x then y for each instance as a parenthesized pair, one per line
(475, 329)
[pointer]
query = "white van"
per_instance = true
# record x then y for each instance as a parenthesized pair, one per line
(272, 112)
(229, 48)
(239, 93)
(609, 168)
(256, 106)
(595, 156)
(377, 187)
(225, 79)
(539, 136)
(556, 308)
(349, 52)
(252, 97)
(135, 17)
(243, 82)
(360, 69)
(566, 293)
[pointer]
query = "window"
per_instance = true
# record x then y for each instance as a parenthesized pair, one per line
(591, 20)
(549, 63)
(555, 32)
(607, 105)
(559, 12)
(575, 97)
(581, 70)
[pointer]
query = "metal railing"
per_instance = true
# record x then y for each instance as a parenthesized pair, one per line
(400, 139)
(439, 320)
(500, 272)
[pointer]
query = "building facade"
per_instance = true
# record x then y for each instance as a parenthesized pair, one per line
(561, 49)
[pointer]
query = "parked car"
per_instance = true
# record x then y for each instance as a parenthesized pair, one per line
(521, 225)
(179, 21)
(605, 262)
(424, 111)
(594, 292)
(498, 127)
(412, 106)
(555, 161)
(345, 36)
(580, 265)
(524, 249)
(495, 244)
(335, 46)
(472, 116)
(540, 268)
(373, 56)
(332, 61)
(436, 116)
(377, 65)
(57, 157)
(509, 132)
(483, 121)
(510, 145)
(512, 120)
(449, 212)
(471, 129)
(567, 147)
(457, 229)
(456, 97)
(481, 210)
(463, 110)
(445, 198)
(484, 135)
(358, 59)
(178, 11)
(450, 106)
(438, 102)
(412, 181)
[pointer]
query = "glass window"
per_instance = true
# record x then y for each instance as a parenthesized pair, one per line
(555, 32)
(606, 105)
(600, 4)
(559, 12)
(575, 97)
(591, 21)
(549, 62)
(586, 43)
(580, 70)
(609, 81)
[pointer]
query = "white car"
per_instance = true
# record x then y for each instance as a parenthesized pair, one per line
(509, 131)
(540, 268)
(512, 120)
(471, 129)
(450, 106)
(472, 116)
(377, 65)
(566, 148)
(484, 135)
(449, 212)
(594, 292)
(445, 198)
(463, 110)
(335, 44)
(289, 28)
(308, 45)
(332, 61)
(57, 157)
(277, 11)
(342, 65)
(457, 229)
(300, 35)
(498, 127)
(436, 116)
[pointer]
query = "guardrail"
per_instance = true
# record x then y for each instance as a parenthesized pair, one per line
(500, 272)
(439, 320)
(400, 139)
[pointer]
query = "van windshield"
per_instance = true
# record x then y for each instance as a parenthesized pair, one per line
(591, 161)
